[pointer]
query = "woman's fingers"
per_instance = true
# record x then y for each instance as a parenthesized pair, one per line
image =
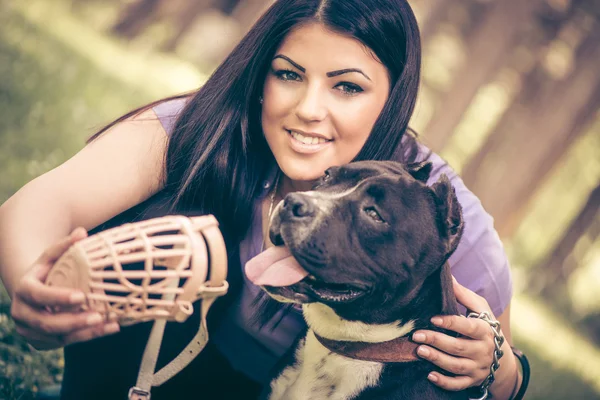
(45, 330)
(54, 252)
(46, 261)
(451, 345)
(454, 383)
(456, 365)
(53, 324)
(471, 300)
(35, 293)
(46, 341)
(474, 328)
(92, 333)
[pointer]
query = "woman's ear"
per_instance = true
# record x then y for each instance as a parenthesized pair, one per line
(420, 171)
(449, 212)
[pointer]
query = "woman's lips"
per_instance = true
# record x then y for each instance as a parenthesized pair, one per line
(304, 148)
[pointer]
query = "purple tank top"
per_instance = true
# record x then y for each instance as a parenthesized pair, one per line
(479, 263)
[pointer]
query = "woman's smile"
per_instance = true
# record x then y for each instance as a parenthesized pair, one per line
(307, 143)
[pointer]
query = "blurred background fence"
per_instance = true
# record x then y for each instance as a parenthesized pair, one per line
(510, 97)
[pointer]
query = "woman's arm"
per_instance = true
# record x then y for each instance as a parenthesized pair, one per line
(113, 173)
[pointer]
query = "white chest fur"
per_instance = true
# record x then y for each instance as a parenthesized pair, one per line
(321, 374)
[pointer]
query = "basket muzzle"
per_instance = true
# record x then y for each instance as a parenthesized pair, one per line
(147, 270)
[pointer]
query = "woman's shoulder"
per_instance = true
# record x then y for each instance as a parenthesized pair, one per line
(479, 262)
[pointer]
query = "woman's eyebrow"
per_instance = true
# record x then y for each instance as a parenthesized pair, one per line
(329, 74)
(290, 61)
(345, 71)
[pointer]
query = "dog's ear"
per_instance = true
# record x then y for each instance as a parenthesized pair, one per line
(449, 212)
(420, 171)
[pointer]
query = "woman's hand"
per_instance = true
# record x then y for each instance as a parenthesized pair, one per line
(470, 356)
(32, 301)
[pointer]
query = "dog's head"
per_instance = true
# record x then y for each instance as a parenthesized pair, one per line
(368, 233)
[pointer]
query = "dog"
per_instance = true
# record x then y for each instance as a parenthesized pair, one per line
(369, 244)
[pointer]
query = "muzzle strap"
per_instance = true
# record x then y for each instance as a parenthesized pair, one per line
(215, 287)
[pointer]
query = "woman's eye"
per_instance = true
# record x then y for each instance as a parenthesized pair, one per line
(349, 89)
(287, 75)
(372, 213)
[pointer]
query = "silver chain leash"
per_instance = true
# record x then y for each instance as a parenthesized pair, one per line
(498, 353)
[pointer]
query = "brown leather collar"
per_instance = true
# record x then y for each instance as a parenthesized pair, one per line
(397, 350)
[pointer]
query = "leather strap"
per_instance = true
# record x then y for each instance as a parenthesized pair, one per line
(526, 373)
(396, 350)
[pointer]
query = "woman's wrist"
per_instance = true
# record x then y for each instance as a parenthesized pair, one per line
(508, 378)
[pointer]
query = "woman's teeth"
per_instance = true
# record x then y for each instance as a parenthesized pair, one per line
(307, 139)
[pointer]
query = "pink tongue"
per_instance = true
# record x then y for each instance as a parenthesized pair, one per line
(275, 267)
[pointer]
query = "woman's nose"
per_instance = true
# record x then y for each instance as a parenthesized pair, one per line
(312, 106)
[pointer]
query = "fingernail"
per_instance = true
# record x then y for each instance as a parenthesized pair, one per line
(94, 319)
(419, 337)
(437, 321)
(432, 377)
(423, 351)
(111, 328)
(77, 298)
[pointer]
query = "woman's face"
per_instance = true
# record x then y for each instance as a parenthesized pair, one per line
(322, 96)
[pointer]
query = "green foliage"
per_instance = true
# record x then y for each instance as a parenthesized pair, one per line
(51, 100)
(23, 371)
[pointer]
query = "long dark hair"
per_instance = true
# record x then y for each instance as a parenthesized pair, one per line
(217, 153)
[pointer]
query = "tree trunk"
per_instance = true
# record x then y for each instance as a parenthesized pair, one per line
(487, 47)
(184, 20)
(247, 12)
(135, 18)
(534, 133)
(436, 11)
(553, 272)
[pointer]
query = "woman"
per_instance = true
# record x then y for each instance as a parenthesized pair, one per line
(313, 84)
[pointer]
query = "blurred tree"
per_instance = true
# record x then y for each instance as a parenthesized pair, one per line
(550, 276)
(536, 130)
(487, 47)
(136, 17)
(180, 14)
(248, 11)
(436, 11)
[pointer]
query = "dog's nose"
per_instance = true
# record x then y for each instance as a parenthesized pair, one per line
(298, 205)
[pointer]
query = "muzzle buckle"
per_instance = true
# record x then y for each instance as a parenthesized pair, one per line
(135, 393)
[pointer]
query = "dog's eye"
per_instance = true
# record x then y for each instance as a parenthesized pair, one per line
(372, 213)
